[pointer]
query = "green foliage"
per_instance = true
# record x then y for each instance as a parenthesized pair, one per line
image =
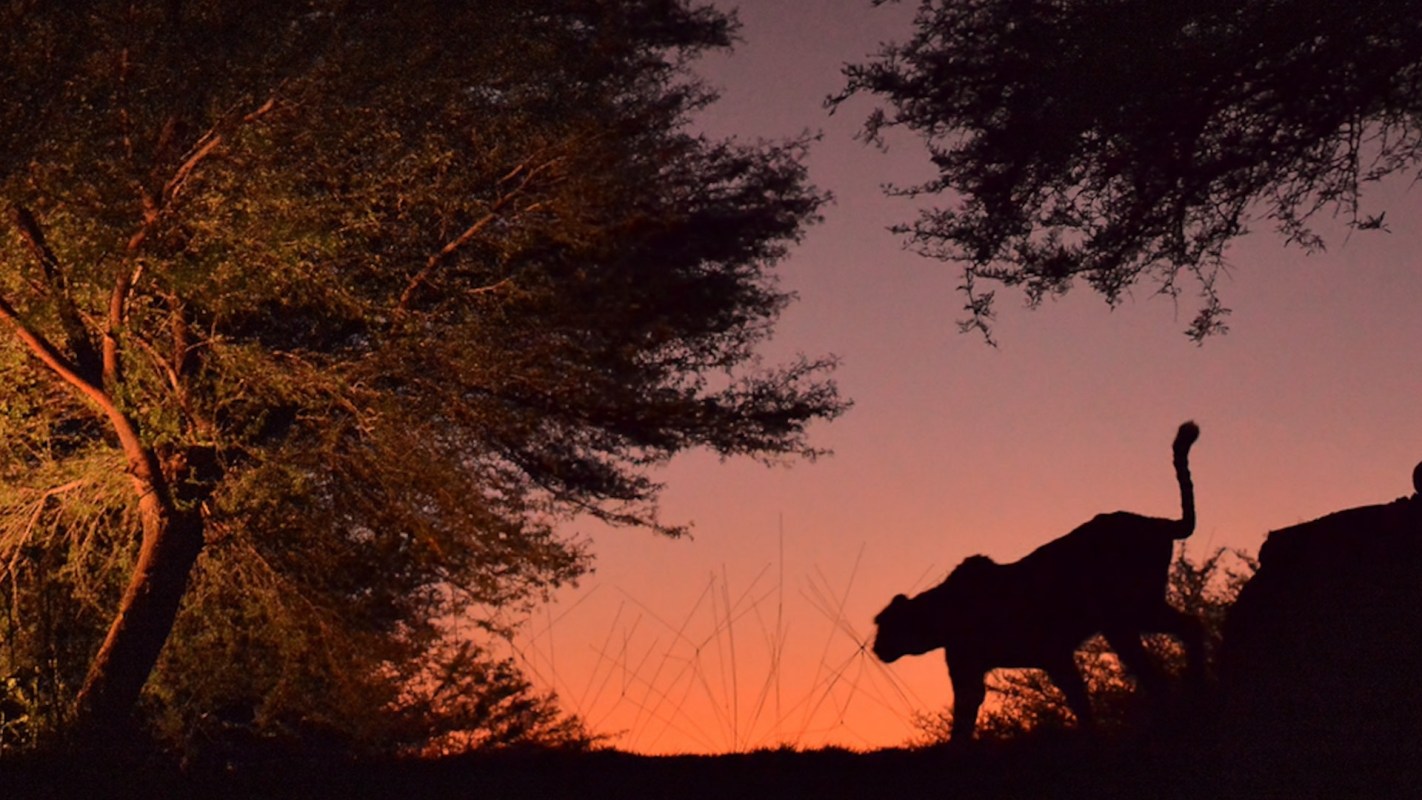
(1025, 702)
(401, 291)
(1126, 141)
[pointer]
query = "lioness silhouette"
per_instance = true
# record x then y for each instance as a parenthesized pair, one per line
(1108, 576)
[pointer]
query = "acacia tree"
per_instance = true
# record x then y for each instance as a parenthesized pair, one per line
(1128, 141)
(323, 314)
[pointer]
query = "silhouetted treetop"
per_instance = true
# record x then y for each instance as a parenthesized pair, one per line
(1122, 141)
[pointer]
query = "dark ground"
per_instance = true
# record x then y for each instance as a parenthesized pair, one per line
(1069, 765)
(1319, 698)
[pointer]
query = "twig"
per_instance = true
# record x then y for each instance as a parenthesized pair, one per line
(495, 211)
(15, 542)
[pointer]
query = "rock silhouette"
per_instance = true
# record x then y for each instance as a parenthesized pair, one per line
(1322, 651)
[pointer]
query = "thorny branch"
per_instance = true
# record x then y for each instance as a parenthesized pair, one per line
(525, 175)
(153, 210)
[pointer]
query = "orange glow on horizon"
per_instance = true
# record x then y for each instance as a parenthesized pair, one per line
(730, 664)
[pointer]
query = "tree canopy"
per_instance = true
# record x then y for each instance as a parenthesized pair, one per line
(1129, 141)
(321, 316)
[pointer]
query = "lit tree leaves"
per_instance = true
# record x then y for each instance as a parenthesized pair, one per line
(400, 290)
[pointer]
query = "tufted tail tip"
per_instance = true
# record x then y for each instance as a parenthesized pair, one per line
(1185, 437)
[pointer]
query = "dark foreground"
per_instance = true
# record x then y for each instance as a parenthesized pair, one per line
(1069, 766)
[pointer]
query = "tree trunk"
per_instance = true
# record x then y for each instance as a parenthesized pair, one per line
(172, 525)
(172, 540)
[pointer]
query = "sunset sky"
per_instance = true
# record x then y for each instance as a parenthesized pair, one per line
(748, 635)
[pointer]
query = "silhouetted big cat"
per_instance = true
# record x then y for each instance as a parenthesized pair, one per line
(1108, 576)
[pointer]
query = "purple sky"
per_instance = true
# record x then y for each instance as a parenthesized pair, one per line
(748, 634)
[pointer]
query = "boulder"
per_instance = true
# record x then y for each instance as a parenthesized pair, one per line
(1322, 651)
